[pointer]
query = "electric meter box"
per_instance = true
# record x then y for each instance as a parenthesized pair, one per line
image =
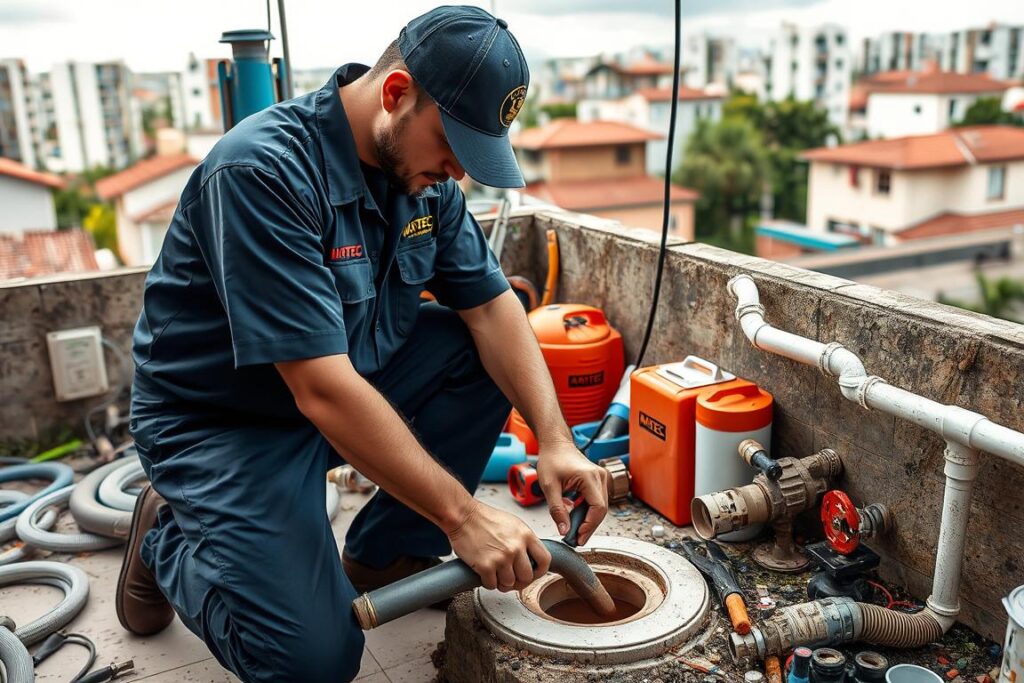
(76, 359)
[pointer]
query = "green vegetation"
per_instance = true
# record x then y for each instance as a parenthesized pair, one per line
(560, 110)
(986, 111)
(752, 151)
(78, 206)
(1002, 298)
(101, 223)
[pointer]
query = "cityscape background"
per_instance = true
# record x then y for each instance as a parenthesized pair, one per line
(881, 142)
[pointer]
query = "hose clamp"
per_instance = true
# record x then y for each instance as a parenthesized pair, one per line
(826, 355)
(865, 387)
(743, 309)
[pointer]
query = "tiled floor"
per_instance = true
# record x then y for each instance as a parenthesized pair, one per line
(398, 652)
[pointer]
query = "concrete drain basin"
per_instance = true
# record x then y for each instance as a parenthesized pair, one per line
(662, 603)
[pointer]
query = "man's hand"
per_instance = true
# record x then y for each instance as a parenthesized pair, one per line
(498, 546)
(563, 468)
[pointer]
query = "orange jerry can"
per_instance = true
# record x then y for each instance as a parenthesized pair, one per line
(662, 428)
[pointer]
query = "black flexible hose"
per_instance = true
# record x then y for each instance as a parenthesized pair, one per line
(455, 576)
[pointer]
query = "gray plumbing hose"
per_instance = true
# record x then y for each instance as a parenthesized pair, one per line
(455, 576)
(92, 515)
(15, 658)
(72, 580)
(8, 497)
(29, 531)
(21, 551)
(881, 626)
(59, 474)
(111, 492)
(333, 501)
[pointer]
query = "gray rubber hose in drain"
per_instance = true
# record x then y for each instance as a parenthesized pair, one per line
(70, 579)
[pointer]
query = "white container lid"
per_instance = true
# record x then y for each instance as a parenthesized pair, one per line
(1014, 605)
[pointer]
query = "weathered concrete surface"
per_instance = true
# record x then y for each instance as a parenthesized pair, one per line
(29, 411)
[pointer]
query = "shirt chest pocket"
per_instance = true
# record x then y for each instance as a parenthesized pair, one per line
(415, 268)
(354, 281)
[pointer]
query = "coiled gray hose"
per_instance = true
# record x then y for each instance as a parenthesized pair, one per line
(70, 579)
(21, 551)
(29, 531)
(15, 658)
(111, 492)
(61, 474)
(92, 515)
(8, 497)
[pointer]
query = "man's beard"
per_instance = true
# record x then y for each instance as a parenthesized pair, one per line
(390, 159)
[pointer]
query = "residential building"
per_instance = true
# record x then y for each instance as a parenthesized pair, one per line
(20, 135)
(614, 79)
(561, 79)
(91, 118)
(901, 51)
(811, 63)
(650, 108)
(890, 191)
(26, 198)
(708, 59)
(996, 49)
(145, 196)
(600, 167)
(200, 95)
(898, 103)
(36, 253)
(307, 80)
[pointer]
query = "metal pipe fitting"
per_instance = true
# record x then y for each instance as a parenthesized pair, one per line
(798, 488)
(441, 582)
(619, 479)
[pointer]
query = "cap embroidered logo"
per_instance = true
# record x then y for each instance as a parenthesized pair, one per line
(512, 104)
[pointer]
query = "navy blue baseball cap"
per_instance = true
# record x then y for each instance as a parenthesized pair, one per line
(470, 65)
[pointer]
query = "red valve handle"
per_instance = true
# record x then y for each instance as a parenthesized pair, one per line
(841, 521)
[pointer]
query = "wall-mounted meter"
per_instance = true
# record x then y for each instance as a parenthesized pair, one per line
(76, 358)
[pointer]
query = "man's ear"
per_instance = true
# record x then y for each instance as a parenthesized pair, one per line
(397, 91)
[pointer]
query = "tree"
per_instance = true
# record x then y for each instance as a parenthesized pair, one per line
(560, 110)
(101, 223)
(726, 163)
(1000, 298)
(987, 111)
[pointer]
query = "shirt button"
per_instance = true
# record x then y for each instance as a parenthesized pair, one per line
(378, 327)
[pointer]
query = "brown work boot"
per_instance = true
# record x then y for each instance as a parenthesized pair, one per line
(141, 607)
(365, 578)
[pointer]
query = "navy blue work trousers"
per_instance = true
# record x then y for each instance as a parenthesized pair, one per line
(244, 550)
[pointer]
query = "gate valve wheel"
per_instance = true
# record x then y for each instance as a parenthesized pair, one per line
(841, 521)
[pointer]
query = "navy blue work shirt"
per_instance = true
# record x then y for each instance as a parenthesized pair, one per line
(278, 251)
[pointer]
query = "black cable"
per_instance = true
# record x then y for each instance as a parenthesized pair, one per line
(663, 248)
(125, 368)
(668, 188)
(55, 641)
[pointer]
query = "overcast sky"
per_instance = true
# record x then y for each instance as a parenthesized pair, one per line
(157, 35)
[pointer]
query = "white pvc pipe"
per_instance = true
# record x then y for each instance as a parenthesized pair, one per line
(965, 432)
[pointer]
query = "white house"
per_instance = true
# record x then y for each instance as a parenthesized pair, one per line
(649, 108)
(889, 191)
(26, 198)
(898, 103)
(145, 196)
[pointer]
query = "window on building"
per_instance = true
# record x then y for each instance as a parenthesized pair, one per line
(996, 182)
(840, 39)
(952, 109)
(877, 236)
(196, 92)
(623, 154)
(883, 181)
(917, 108)
(854, 176)
(839, 65)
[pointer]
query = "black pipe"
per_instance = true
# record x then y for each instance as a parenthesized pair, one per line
(455, 576)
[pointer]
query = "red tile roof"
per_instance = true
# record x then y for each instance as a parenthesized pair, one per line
(587, 195)
(647, 66)
(665, 94)
(950, 223)
(142, 173)
(953, 147)
(573, 133)
(35, 253)
(14, 169)
(924, 82)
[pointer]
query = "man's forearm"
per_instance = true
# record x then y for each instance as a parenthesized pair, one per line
(373, 437)
(510, 353)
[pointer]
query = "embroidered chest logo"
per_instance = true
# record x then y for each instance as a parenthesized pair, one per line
(418, 226)
(347, 252)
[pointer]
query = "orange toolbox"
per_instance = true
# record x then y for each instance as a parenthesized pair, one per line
(662, 429)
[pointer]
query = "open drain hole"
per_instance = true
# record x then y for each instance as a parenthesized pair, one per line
(559, 601)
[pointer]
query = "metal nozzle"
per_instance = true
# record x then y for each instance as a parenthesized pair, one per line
(755, 455)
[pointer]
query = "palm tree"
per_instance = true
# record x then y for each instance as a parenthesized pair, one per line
(726, 163)
(998, 298)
